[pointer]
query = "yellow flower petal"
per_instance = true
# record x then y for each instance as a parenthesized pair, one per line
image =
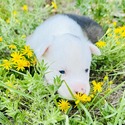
(14, 12)
(12, 46)
(64, 105)
(27, 51)
(54, 5)
(7, 20)
(82, 98)
(16, 56)
(1, 39)
(110, 82)
(25, 8)
(101, 44)
(106, 78)
(6, 64)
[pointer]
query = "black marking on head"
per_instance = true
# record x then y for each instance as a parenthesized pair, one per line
(93, 30)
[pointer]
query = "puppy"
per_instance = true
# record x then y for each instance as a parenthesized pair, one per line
(65, 42)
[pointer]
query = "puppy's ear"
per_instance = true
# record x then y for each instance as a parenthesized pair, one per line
(94, 32)
(94, 49)
(40, 46)
(42, 50)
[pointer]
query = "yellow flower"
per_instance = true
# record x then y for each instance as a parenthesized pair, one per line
(10, 84)
(117, 42)
(92, 96)
(79, 97)
(97, 87)
(54, 5)
(109, 89)
(64, 105)
(34, 61)
(6, 64)
(21, 64)
(88, 98)
(25, 8)
(94, 82)
(23, 36)
(114, 23)
(27, 51)
(117, 30)
(1, 39)
(7, 20)
(123, 34)
(82, 98)
(16, 56)
(101, 44)
(101, 83)
(116, 37)
(110, 82)
(14, 12)
(106, 78)
(110, 34)
(120, 31)
(27, 63)
(77, 102)
(12, 46)
(17, 21)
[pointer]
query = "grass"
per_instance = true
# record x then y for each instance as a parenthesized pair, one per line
(25, 97)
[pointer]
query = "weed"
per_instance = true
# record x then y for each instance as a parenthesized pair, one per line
(26, 98)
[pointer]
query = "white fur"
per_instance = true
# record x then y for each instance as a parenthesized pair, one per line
(62, 44)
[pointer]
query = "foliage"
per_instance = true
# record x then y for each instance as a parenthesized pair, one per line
(26, 98)
(103, 11)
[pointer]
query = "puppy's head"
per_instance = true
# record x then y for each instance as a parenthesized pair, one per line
(70, 57)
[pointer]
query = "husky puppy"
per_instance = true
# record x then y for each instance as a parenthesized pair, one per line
(65, 42)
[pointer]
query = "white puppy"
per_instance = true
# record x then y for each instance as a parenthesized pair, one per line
(64, 42)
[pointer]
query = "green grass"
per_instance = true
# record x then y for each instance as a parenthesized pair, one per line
(25, 97)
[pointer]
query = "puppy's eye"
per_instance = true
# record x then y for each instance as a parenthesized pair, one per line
(62, 71)
(86, 70)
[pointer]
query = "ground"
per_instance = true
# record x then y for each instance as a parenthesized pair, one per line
(24, 96)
